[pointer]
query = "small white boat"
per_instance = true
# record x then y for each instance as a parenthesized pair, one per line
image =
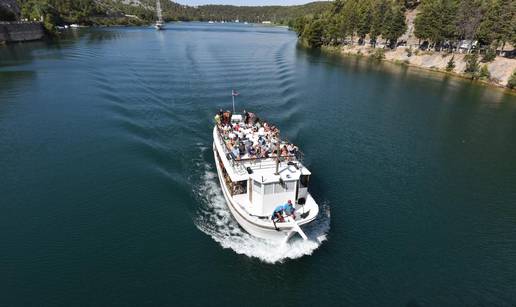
(211, 21)
(159, 23)
(256, 182)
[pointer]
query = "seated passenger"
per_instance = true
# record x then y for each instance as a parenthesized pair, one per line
(235, 153)
(251, 150)
(284, 151)
(291, 149)
(241, 148)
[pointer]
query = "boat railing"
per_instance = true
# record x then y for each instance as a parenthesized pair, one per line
(240, 164)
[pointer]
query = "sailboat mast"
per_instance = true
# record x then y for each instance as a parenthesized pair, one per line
(158, 10)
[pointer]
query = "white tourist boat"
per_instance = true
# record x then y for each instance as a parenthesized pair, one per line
(159, 23)
(255, 186)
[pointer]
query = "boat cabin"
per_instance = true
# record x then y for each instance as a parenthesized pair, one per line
(266, 190)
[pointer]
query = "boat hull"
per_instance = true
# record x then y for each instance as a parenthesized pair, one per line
(269, 233)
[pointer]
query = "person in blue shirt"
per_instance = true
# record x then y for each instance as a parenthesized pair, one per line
(235, 153)
(289, 209)
(278, 214)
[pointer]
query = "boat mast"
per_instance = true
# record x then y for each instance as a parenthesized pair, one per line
(158, 11)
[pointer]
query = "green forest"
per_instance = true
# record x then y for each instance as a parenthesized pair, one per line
(439, 24)
(107, 12)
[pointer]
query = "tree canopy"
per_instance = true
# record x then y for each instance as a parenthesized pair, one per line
(439, 22)
(95, 11)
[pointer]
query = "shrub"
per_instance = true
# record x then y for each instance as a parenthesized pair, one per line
(409, 52)
(484, 73)
(472, 65)
(512, 81)
(489, 56)
(379, 54)
(451, 64)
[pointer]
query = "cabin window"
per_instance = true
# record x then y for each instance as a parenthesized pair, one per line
(278, 188)
(285, 186)
(304, 180)
(268, 188)
(239, 187)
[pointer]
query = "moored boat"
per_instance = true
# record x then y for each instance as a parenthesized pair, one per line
(262, 177)
(159, 23)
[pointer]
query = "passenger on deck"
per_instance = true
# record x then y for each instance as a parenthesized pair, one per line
(284, 151)
(241, 148)
(292, 149)
(226, 117)
(251, 150)
(252, 138)
(235, 153)
(277, 215)
(289, 209)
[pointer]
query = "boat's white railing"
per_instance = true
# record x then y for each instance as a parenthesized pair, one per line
(241, 164)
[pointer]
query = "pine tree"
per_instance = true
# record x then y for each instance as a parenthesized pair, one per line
(436, 21)
(312, 33)
(364, 19)
(378, 18)
(451, 64)
(472, 65)
(484, 72)
(469, 16)
(395, 24)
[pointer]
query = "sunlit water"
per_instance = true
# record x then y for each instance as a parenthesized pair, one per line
(109, 194)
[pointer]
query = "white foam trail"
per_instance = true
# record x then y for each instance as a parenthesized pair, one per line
(215, 219)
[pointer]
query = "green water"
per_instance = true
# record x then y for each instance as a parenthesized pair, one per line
(108, 194)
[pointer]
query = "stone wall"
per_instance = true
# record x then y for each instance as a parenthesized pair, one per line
(20, 31)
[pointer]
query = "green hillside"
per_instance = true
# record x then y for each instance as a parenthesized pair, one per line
(106, 12)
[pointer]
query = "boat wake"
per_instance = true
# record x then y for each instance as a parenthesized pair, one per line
(215, 219)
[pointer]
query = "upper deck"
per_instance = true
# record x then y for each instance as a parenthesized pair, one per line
(252, 149)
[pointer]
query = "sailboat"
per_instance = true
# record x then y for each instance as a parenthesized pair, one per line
(159, 23)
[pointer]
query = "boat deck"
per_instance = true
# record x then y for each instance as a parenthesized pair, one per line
(304, 213)
(240, 169)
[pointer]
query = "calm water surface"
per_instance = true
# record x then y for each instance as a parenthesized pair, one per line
(109, 196)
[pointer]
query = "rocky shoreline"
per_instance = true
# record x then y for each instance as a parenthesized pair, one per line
(500, 69)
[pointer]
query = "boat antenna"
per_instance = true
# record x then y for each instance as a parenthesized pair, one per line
(233, 95)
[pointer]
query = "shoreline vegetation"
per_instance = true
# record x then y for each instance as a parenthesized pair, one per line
(472, 39)
(54, 14)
